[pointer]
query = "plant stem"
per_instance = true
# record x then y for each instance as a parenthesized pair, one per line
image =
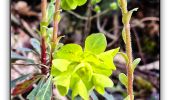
(56, 20)
(54, 40)
(129, 65)
(123, 6)
(43, 40)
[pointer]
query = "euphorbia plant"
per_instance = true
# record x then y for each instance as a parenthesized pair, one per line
(84, 70)
(68, 67)
(74, 68)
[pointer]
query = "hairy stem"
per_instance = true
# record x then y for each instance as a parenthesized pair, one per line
(123, 6)
(129, 65)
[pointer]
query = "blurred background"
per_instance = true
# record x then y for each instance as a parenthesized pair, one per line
(77, 24)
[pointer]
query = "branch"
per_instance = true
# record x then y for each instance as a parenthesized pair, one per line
(109, 35)
(92, 17)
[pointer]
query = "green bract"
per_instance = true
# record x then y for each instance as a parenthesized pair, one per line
(71, 4)
(126, 18)
(83, 70)
(123, 79)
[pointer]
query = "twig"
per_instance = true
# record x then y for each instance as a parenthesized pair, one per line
(116, 30)
(28, 29)
(14, 19)
(21, 97)
(109, 35)
(77, 15)
(92, 17)
(149, 19)
(24, 25)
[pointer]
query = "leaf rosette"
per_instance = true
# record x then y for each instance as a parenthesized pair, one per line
(84, 70)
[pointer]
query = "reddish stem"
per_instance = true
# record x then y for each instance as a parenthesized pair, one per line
(43, 41)
(43, 56)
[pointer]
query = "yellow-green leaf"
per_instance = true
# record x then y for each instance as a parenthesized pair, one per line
(62, 82)
(85, 72)
(100, 89)
(135, 63)
(61, 64)
(124, 35)
(106, 58)
(101, 82)
(72, 4)
(95, 43)
(123, 79)
(99, 70)
(70, 52)
(81, 2)
(80, 89)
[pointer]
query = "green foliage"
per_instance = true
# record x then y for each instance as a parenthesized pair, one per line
(70, 52)
(80, 89)
(15, 56)
(82, 71)
(99, 86)
(97, 9)
(61, 64)
(124, 35)
(135, 63)
(126, 18)
(36, 45)
(50, 11)
(113, 6)
(73, 67)
(95, 43)
(123, 79)
(33, 93)
(71, 4)
(93, 2)
(45, 92)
